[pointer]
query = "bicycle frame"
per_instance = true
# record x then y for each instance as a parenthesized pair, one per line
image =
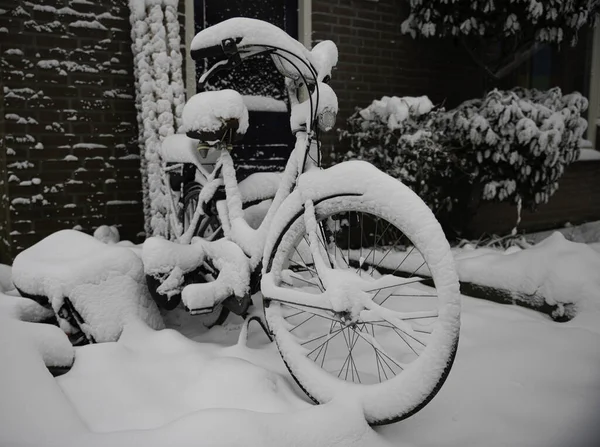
(307, 109)
(230, 210)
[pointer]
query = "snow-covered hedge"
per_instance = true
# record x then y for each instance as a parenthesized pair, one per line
(514, 145)
(551, 20)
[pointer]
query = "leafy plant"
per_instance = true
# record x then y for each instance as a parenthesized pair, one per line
(500, 34)
(508, 146)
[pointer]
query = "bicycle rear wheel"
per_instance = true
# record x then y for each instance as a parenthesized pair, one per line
(396, 364)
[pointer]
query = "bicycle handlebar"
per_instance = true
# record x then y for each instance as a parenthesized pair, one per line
(235, 39)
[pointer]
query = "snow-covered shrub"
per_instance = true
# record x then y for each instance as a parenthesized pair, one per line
(516, 143)
(398, 136)
(553, 20)
(510, 145)
(514, 27)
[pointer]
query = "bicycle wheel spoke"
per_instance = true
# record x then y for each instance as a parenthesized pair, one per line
(322, 241)
(405, 340)
(310, 310)
(388, 252)
(318, 337)
(380, 349)
(360, 257)
(405, 258)
(300, 278)
(313, 259)
(293, 315)
(304, 264)
(327, 344)
(329, 338)
(390, 326)
(300, 324)
(417, 269)
(378, 240)
(347, 358)
(400, 284)
(304, 267)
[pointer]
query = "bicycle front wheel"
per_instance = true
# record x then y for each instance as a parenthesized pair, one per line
(393, 360)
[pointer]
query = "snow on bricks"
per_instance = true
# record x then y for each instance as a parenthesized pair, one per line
(68, 117)
(105, 283)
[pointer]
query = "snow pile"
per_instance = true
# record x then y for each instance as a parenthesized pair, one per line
(588, 233)
(555, 270)
(107, 234)
(12, 305)
(160, 388)
(210, 112)
(105, 283)
(159, 97)
(5, 278)
(33, 408)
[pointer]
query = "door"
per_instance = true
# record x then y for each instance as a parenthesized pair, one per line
(268, 142)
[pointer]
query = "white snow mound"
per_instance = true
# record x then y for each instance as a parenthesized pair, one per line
(561, 271)
(107, 234)
(105, 283)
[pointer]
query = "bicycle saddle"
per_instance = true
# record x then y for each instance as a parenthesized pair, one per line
(213, 116)
(235, 39)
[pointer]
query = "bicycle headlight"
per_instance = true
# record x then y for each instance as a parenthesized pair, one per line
(327, 119)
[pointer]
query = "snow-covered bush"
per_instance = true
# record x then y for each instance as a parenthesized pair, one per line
(398, 136)
(517, 25)
(510, 145)
(554, 20)
(516, 143)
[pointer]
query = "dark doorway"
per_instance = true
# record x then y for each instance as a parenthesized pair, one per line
(268, 142)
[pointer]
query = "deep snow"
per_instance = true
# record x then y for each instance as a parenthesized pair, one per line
(519, 379)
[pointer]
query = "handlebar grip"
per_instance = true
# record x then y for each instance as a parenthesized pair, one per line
(225, 50)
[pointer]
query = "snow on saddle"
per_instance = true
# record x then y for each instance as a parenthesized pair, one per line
(93, 288)
(215, 116)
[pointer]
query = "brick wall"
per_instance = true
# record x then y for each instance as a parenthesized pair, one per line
(376, 59)
(576, 201)
(4, 204)
(69, 118)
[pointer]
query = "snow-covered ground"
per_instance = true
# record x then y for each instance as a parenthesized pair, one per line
(519, 379)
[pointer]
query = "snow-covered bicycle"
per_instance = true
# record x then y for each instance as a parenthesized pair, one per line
(339, 254)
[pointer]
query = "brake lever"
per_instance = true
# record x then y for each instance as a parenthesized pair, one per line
(234, 59)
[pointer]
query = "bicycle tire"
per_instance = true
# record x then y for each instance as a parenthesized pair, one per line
(411, 389)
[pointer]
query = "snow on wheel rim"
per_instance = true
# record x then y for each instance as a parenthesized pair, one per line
(407, 392)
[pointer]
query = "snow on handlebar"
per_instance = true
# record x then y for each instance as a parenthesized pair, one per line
(242, 37)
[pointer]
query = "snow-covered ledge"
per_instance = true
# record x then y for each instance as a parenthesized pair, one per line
(159, 97)
(594, 96)
(587, 151)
